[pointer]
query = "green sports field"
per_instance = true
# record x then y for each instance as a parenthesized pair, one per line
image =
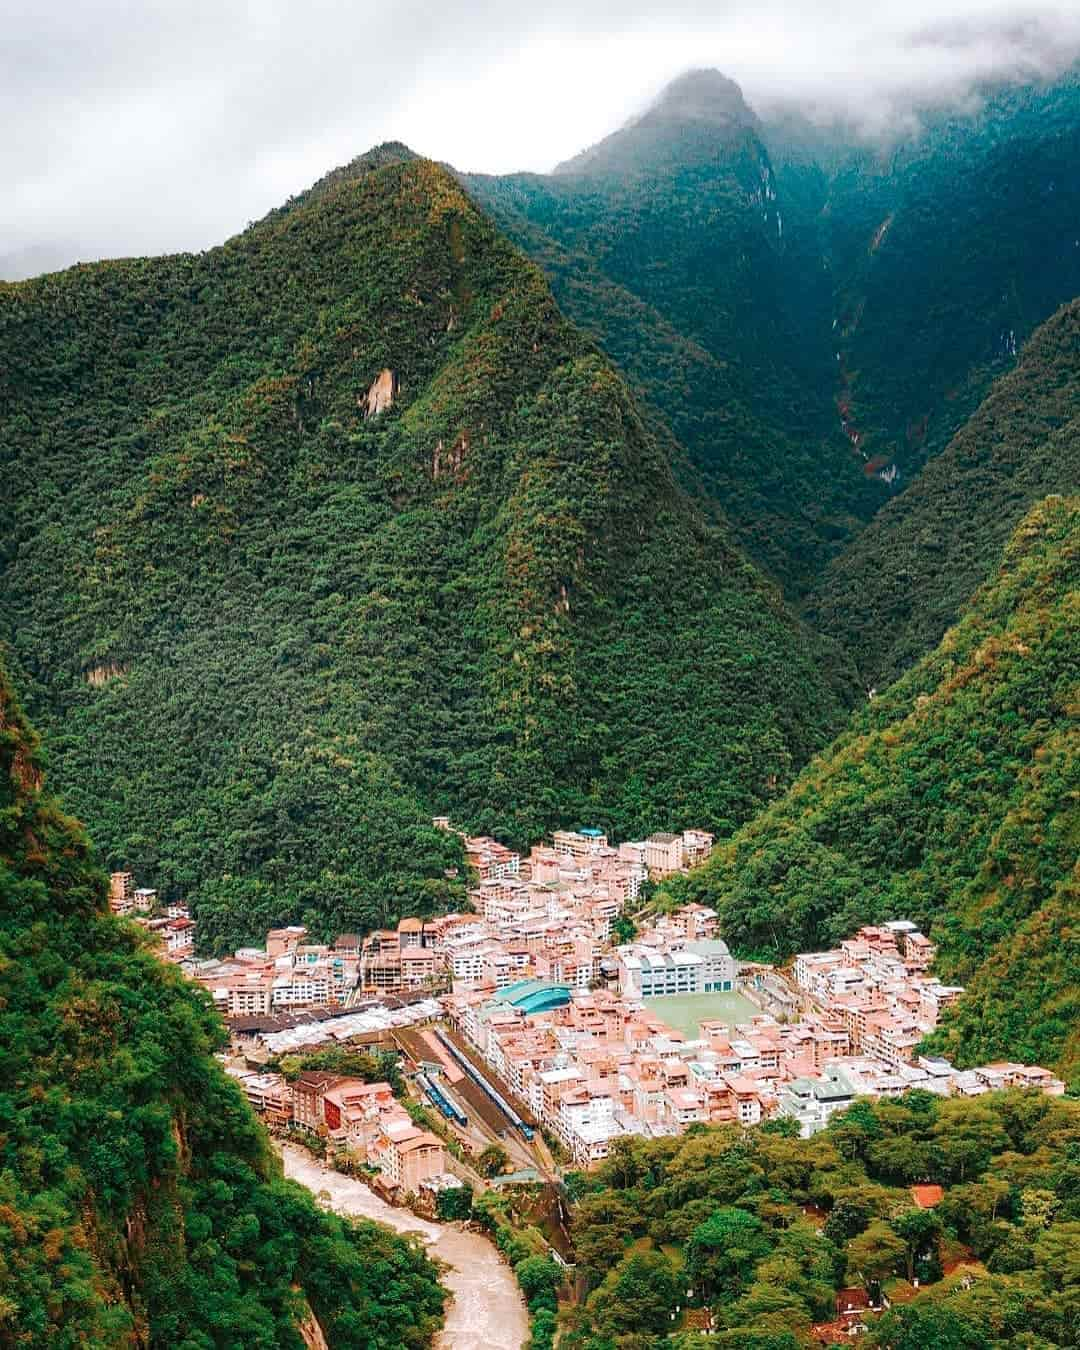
(685, 1012)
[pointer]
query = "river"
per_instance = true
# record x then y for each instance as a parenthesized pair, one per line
(486, 1311)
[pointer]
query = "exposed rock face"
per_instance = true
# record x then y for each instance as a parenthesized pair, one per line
(381, 394)
(100, 675)
(445, 462)
(311, 1333)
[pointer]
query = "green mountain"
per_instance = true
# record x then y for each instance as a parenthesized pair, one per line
(815, 314)
(342, 524)
(953, 798)
(946, 247)
(894, 591)
(668, 242)
(140, 1204)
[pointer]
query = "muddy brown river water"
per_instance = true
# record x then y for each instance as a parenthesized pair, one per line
(486, 1311)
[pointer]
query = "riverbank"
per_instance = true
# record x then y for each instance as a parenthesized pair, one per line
(486, 1311)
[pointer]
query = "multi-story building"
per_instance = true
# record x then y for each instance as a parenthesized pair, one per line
(578, 843)
(663, 854)
(121, 893)
(281, 941)
(701, 967)
(308, 1093)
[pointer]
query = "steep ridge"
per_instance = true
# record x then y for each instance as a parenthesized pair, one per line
(343, 524)
(892, 593)
(785, 294)
(946, 247)
(140, 1204)
(954, 798)
(668, 242)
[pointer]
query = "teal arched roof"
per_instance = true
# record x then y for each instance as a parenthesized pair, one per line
(533, 996)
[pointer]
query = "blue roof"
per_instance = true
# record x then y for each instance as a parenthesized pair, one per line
(533, 996)
(591, 832)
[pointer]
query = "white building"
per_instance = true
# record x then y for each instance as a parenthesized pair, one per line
(703, 967)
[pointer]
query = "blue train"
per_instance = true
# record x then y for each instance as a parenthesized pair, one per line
(526, 1131)
(438, 1098)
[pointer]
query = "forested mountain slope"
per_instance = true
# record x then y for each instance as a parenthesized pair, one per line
(894, 591)
(342, 524)
(814, 313)
(140, 1204)
(667, 241)
(953, 799)
(946, 246)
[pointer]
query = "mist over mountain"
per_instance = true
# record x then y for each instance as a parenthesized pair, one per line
(171, 132)
(785, 295)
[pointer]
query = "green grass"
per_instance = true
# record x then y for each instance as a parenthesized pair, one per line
(685, 1012)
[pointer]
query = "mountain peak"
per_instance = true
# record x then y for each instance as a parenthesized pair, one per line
(695, 114)
(703, 96)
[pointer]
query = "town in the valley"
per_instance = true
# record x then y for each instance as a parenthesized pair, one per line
(565, 1010)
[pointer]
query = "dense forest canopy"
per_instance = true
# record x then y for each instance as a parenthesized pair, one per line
(272, 620)
(906, 578)
(952, 799)
(139, 1200)
(814, 314)
(762, 1230)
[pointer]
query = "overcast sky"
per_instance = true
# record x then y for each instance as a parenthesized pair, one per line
(134, 126)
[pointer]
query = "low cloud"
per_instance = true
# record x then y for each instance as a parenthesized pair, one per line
(141, 126)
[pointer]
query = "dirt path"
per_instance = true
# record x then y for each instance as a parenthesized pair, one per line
(486, 1311)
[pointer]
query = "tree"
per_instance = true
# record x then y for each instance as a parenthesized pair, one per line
(602, 1226)
(454, 1203)
(493, 1161)
(722, 1253)
(922, 1325)
(636, 1297)
(919, 1229)
(875, 1254)
(623, 930)
(1058, 1253)
(539, 1278)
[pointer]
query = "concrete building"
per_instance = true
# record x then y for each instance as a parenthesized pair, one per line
(702, 967)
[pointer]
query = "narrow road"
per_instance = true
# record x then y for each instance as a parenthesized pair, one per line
(486, 1311)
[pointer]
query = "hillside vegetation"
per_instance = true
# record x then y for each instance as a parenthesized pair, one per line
(764, 1230)
(905, 579)
(952, 799)
(139, 1201)
(786, 296)
(667, 242)
(946, 248)
(271, 620)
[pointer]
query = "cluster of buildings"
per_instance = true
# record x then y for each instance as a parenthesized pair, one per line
(364, 1118)
(590, 1065)
(570, 1020)
(875, 994)
(595, 1064)
(547, 916)
(171, 923)
(287, 973)
(877, 986)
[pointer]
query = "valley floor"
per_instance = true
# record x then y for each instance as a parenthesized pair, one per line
(486, 1310)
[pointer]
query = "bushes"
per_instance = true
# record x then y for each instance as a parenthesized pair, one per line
(725, 1214)
(139, 1198)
